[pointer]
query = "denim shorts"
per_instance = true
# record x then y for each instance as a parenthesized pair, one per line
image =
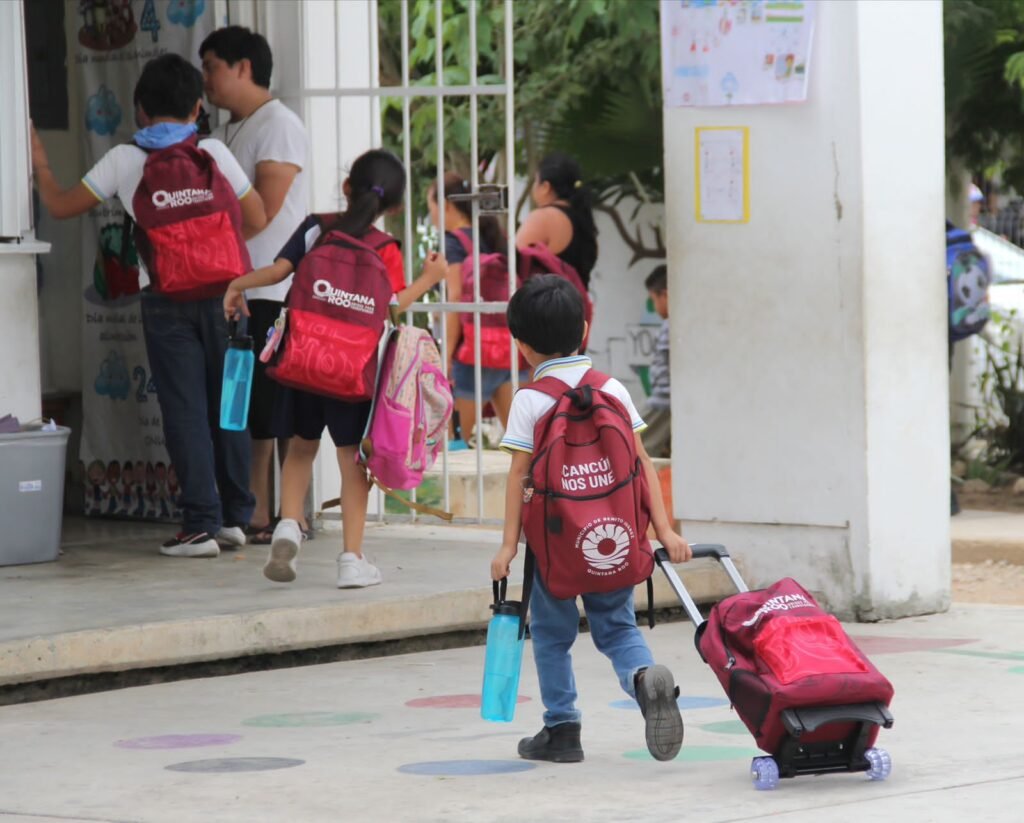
(491, 379)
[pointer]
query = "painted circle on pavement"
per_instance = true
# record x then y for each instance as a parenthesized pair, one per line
(684, 702)
(178, 741)
(452, 701)
(1017, 670)
(465, 768)
(701, 754)
(222, 765)
(308, 719)
(725, 727)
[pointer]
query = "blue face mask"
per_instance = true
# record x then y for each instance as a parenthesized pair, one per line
(162, 135)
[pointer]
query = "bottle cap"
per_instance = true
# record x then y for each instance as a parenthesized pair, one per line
(236, 341)
(508, 607)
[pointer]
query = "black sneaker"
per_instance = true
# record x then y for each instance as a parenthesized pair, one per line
(558, 744)
(656, 692)
(197, 544)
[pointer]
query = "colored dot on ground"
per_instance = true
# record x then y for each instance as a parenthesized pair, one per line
(452, 701)
(700, 754)
(222, 765)
(683, 702)
(307, 719)
(1017, 670)
(725, 727)
(463, 768)
(178, 741)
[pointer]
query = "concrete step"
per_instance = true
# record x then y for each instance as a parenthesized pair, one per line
(113, 604)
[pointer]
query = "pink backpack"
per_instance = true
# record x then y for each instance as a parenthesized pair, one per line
(412, 405)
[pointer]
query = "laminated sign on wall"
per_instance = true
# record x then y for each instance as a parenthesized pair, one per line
(127, 471)
(719, 53)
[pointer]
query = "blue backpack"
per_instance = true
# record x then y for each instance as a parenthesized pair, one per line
(968, 275)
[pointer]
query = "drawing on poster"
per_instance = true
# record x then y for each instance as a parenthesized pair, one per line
(722, 174)
(106, 24)
(735, 52)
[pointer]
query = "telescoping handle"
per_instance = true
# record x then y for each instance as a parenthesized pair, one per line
(699, 550)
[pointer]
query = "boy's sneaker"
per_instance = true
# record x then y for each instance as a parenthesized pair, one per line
(657, 692)
(231, 537)
(557, 744)
(197, 544)
(284, 551)
(356, 572)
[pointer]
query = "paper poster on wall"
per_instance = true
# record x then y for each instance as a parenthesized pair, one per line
(126, 468)
(722, 174)
(727, 53)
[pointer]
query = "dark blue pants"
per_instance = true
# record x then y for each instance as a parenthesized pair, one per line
(186, 342)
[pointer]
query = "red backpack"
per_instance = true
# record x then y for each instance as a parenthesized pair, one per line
(586, 504)
(188, 223)
(334, 318)
(495, 338)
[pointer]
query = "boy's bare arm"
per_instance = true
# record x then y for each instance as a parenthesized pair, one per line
(513, 515)
(254, 216)
(677, 547)
(60, 203)
(273, 179)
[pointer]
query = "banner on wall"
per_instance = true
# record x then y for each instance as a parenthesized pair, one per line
(126, 469)
(729, 52)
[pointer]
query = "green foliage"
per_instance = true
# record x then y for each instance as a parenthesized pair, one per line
(1001, 423)
(984, 72)
(586, 81)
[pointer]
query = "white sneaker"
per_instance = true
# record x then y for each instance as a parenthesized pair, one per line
(284, 551)
(197, 544)
(231, 537)
(356, 572)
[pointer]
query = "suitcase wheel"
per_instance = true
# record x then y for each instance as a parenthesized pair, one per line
(879, 764)
(765, 772)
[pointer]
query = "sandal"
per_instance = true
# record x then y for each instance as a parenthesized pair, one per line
(260, 535)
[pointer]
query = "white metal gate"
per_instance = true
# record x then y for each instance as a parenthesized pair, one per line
(310, 95)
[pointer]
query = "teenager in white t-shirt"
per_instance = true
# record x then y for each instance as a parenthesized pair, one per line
(185, 339)
(271, 144)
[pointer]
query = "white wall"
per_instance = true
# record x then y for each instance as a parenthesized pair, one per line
(809, 358)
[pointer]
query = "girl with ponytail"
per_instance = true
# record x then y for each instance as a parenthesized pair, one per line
(564, 218)
(374, 187)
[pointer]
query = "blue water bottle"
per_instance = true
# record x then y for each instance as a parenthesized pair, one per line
(234, 392)
(504, 658)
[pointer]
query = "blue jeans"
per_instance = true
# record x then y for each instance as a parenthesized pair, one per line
(554, 625)
(186, 342)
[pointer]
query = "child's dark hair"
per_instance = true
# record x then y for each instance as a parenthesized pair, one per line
(169, 86)
(234, 43)
(547, 315)
(376, 184)
(657, 280)
(491, 232)
(566, 179)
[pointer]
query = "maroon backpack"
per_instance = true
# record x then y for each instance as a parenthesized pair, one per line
(495, 338)
(188, 223)
(335, 314)
(586, 504)
(777, 649)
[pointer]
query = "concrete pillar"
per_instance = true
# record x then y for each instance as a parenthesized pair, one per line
(809, 360)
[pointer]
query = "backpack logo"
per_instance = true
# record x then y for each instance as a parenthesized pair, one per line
(782, 603)
(605, 544)
(323, 290)
(182, 197)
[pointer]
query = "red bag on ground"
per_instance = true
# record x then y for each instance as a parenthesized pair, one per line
(776, 649)
(188, 224)
(586, 501)
(334, 318)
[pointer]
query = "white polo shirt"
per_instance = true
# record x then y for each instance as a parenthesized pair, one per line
(529, 405)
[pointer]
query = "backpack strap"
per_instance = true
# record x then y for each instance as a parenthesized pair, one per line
(464, 241)
(551, 386)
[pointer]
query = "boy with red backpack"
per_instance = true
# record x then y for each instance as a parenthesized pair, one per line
(346, 274)
(193, 206)
(579, 487)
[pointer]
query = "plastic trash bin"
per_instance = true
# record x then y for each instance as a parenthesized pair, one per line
(31, 494)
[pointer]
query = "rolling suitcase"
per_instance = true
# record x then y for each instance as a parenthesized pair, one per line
(808, 695)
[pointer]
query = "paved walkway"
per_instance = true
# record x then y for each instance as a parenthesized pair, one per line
(400, 739)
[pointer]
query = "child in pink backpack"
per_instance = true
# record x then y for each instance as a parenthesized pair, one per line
(374, 187)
